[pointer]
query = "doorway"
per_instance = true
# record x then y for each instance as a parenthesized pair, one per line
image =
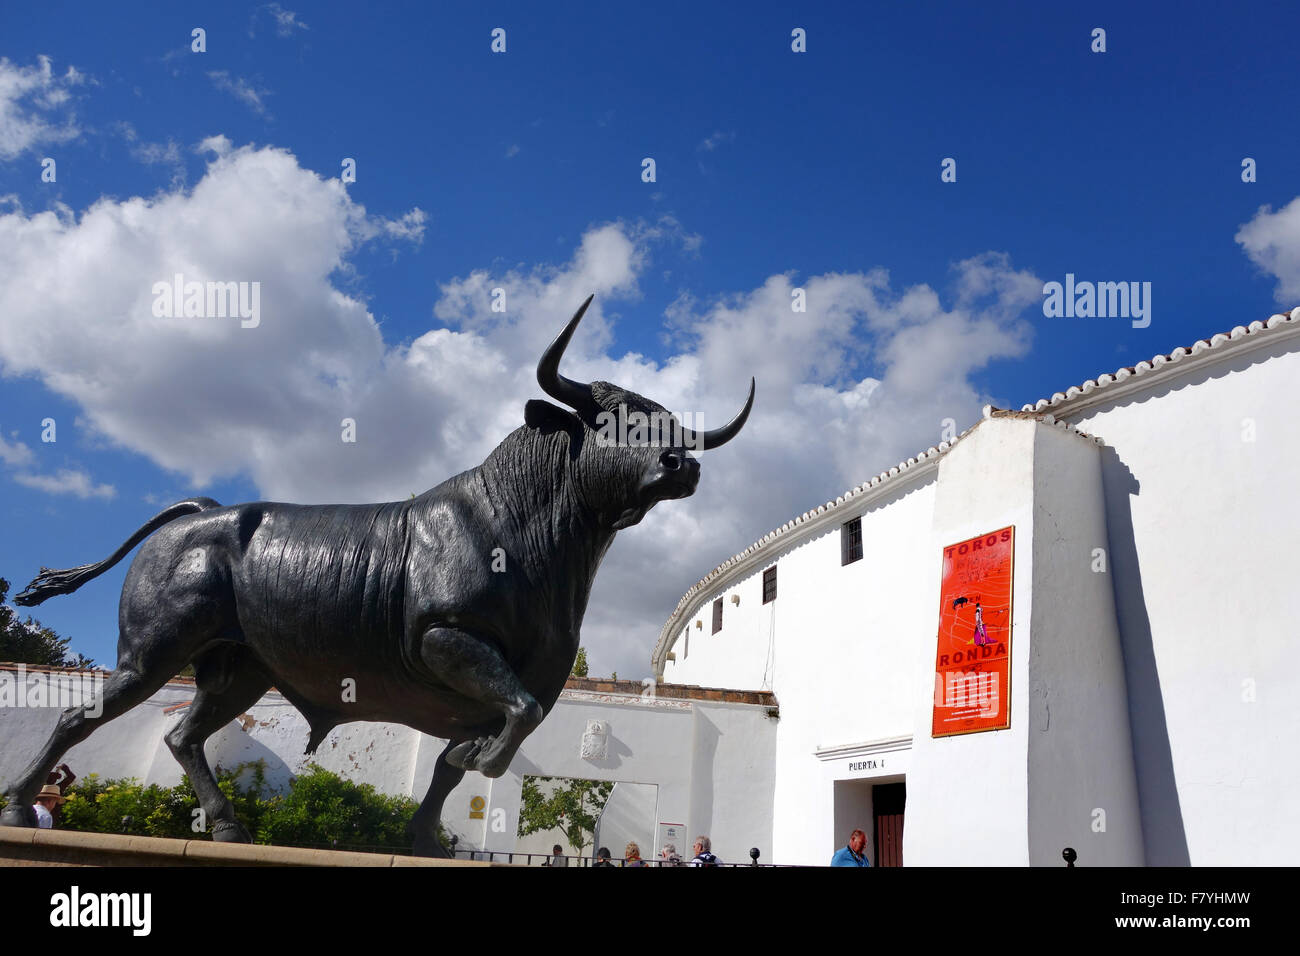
(888, 801)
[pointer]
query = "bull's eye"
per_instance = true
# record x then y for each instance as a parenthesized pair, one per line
(671, 460)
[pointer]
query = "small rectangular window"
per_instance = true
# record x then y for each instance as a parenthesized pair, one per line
(769, 585)
(717, 615)
(851, 541)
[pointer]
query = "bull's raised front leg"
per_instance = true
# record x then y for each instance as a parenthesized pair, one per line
(475, 668)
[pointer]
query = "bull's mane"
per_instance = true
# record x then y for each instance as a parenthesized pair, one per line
(529, 472)
(552, 466)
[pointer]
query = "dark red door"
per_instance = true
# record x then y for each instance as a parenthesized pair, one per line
(887, 802)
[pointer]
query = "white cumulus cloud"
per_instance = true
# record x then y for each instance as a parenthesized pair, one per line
(1272, 240)
(66, 481)
(35, 106)
(14, 453)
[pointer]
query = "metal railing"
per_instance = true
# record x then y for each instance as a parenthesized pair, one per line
(493, 856)
(547, 859)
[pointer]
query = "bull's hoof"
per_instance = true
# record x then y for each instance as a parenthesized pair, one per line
(17, 815)
(487, 755)
(230, 831)
(465, 755)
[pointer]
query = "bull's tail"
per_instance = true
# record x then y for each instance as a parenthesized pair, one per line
(49, 583)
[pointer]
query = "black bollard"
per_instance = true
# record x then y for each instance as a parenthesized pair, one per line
(1069, 856)
(753, 856)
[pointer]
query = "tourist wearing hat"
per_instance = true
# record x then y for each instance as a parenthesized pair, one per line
(46, 805)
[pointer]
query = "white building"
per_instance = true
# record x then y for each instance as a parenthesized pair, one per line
(1152, 705)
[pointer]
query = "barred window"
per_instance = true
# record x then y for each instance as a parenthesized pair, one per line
(717, 615)
(851, 541)
(769, 585)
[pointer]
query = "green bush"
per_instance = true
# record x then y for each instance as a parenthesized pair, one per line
(320, 809)
(99, 806)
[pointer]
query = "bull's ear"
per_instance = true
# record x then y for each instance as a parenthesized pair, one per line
(548, 417)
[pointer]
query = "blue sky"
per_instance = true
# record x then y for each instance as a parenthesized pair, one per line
(523, 170)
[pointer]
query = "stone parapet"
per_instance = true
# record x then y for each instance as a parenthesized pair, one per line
(23, 846)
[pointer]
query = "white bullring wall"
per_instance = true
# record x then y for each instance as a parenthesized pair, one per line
(1203, 528)
(874, 636)
(1038, 784)
(1082, 786)
(712, 760)
(967, 796)
(875, 702)
(1190, 511)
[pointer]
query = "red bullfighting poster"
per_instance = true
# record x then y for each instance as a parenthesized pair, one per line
(972, 671)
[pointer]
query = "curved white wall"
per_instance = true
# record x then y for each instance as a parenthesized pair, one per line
(1203, 531)
(1189, 710)
(842, 646)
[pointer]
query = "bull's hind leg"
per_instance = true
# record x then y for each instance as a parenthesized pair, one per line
(476, 669)
(228, 681)
(124, 688)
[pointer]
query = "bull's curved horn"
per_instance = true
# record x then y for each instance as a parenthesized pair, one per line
(720, 436)
(574, 394)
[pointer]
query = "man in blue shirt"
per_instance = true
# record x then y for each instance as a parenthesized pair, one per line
(854, 854)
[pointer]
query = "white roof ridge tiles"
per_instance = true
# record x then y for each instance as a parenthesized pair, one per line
(1201, 346)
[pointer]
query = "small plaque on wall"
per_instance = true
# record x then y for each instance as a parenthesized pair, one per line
(972, 670)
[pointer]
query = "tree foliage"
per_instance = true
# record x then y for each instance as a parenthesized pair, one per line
(30, 642)
(580, 664)
(573, 806)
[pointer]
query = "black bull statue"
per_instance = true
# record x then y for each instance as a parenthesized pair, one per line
(456, 613)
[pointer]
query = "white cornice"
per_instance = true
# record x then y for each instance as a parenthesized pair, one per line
(628, 700)
(845, 751)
